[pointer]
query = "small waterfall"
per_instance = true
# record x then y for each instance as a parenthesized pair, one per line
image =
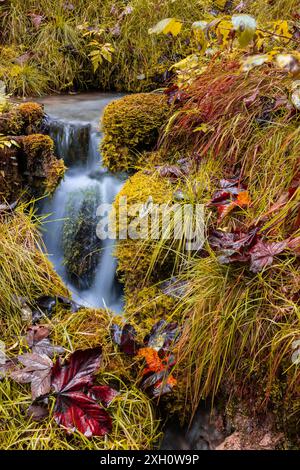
(72, 125)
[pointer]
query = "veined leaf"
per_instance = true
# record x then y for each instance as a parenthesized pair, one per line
(245, 27)
(167, 26)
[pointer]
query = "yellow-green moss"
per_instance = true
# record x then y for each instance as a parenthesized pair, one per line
(134, 256)
(54, 173)
(44, 170)
(147, 305)
(131, 126)
(32, 115)
(37, 145)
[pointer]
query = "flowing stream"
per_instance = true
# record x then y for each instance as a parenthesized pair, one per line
(73, 124)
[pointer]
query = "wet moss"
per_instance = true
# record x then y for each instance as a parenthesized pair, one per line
(81, 245)
(42, 169)
(131, 126)
(32, 115)
(134, 255)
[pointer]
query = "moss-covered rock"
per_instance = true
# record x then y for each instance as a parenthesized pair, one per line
(29, 162)
(131, 126)
(134, 255)
(10, 177)
(32, 115)
(42, 169)
(81, 245)
(11, 122)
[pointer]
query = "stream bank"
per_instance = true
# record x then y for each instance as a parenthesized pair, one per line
(73, 123)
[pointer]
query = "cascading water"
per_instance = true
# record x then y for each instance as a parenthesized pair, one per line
(73, 123)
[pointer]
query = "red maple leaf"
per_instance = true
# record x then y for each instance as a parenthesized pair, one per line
(75, 409)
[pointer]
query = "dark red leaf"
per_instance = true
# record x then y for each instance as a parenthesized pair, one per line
(35, 334)
(36, 19)
(233, 246)
(77, 372)
(262, 254)
(159, 384)
(76, 411)
(170, 171)
(126, 338)
(102, 393)
(231, 195)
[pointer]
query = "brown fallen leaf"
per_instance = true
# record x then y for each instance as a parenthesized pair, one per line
(37, 372)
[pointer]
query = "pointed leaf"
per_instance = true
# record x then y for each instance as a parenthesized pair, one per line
(77, 412)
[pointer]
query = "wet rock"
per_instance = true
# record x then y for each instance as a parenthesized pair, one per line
(81, 246)
(206, 432)
(46, 306)
(10, 175)
(72, 142)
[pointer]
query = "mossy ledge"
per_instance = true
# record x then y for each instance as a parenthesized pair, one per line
(27, 160)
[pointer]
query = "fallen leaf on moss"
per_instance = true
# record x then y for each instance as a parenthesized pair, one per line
(125, 338)
(75, 410)
(38, 341)
(37, 372)
(262, 254)
(231, 194)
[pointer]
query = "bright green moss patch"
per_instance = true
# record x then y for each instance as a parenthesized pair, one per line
(131, 126)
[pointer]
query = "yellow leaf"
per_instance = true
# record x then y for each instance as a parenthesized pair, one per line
(259, 39)
(198, 28)
(167, 26)
(189, 62)
(223, 31)
(281, 27)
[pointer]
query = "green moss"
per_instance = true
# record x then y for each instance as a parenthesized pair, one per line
(131, 126)
(147, 305)
(80, 242)
(134, 256)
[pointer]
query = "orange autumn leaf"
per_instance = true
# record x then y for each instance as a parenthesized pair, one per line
(153, 361)
(243, 199)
